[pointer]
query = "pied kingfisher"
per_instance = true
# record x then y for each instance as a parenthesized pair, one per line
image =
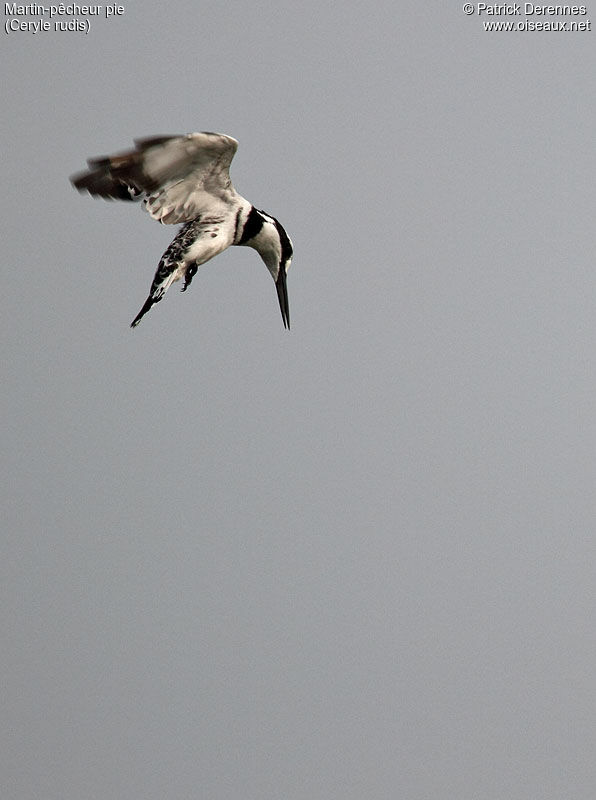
(186, 179)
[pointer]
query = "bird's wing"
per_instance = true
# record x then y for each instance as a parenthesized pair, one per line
(180, 177)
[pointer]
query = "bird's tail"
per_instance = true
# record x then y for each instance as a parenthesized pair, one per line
(150, 301)
(167, 273)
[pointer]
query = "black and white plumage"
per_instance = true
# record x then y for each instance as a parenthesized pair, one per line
(185, 179)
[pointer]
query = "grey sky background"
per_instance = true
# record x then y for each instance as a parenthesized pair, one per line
(355, 560)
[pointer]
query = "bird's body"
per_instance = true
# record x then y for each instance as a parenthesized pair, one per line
(185, 179)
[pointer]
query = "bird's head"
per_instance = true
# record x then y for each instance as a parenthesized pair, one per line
(274, 246)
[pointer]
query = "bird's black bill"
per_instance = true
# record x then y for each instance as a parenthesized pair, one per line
(282, 296)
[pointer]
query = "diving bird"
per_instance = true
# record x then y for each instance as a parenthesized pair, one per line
(186, 179)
